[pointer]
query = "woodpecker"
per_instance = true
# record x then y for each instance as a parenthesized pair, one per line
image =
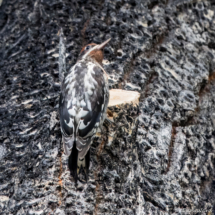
(83, 104)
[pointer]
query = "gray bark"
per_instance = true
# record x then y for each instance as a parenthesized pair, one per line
(160, 156)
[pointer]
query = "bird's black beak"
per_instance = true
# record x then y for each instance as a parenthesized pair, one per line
(101, 46)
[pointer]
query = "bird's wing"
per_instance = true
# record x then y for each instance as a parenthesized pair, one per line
(82, 112)
(99, 100)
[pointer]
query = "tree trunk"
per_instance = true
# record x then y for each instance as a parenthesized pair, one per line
(158, 156)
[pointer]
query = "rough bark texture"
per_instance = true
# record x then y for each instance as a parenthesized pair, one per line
(160, 157)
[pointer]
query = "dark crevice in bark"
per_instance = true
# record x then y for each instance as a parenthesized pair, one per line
(205, 85)
(128, 68)
(188, 121)
(152, 4)
(150, 199)
(204, 90)
(152, 51)
(134, 133)
(146, 89)
(159, 39)
(119, 5)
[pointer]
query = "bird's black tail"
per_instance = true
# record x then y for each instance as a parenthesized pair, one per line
(73, 161)
(75, 164)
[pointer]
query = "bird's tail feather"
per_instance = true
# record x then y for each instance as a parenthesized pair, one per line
(76, 163)
(87, 161)
(73, 162)
(84, 163)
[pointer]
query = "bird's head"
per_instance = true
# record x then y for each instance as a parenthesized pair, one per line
(93, 51)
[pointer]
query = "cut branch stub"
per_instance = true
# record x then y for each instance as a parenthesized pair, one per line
(119, 97)
(122, 109)
(122, 100)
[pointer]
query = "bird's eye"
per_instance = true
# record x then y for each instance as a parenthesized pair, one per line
(87, 48)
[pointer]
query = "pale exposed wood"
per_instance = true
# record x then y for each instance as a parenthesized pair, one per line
(119, 97)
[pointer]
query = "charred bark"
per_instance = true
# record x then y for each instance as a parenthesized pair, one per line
(159, 156)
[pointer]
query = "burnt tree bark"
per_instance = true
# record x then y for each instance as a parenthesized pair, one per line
(159, 156)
